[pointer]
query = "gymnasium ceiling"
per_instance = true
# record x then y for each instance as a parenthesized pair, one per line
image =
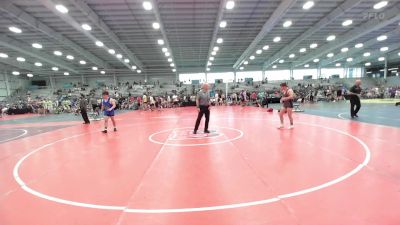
(189, 30)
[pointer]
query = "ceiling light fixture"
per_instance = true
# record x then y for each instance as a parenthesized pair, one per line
(230, 5)
(62, 8)
(147, 5)
(86, 27)
(15, 30)
(331, 38)
(308, 5)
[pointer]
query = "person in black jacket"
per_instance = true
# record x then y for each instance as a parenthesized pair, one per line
(83, 108)
(354, 96)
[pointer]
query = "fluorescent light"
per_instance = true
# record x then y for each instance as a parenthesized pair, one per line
(134, 67)
(246, 62)
(338, 64)
(259, 51)
(398, 54)
(331, 38)
(111, 51)
(308, 5)
(103, 72)
(164, 49)
(313, 45)
(347, 23)
(66, 73)
(380, 4)
(16, 73)
(349, 59)
(220, 40)
(82, 62)
(70, 57)
(119, 56)
(307, 65)
(366, 54)
(213, 53)
(316, 60)
(99, 43)
(330, 55)
(3, 55)
(37, 45)
(156, 25)
(62, 8)
(58, 53)
(367, 64)
(287, 23)
(381, 38)
(303, 50)
(211, 58)
(344, 49)
(21, 59)
(381, 58)
(167, 54)
(86, 27)
(252, 57)
(94, 68)
(292, 55)
(230, 5)
(384, 49)
(277, 39)
(38, 64)
(160, 42)
(172, 65)
(174, 70)
(126, 60)
(281, 61)
(215, 49)
(138, 71)
(266, 47)
(208, 69)
(29, 75)
(147, 5)
(170, 59)
(241, 68)
(54, 68)
(274, 66)
(223, 24)
(15, 30)
(209, 63)
(359, 45)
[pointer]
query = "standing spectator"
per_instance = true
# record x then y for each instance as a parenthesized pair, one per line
(83, 107)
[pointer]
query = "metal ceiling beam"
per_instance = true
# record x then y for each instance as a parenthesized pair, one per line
(163, 33)
(353, 51)
(8, 7)
(96, 21)
(376, 54)
(340, 10)
(18, 46)
(283, 7)
(215, 32)
(391, 16)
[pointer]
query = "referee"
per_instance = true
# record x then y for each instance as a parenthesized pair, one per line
(203, 105)
(354, 97)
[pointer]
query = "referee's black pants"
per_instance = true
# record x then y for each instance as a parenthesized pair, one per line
(355, 105)
(85, 116)
(204, 110)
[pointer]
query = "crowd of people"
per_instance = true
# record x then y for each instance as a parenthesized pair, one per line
(68, 100)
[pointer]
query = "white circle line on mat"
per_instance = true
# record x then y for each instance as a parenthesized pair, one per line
(25, 187)
(24, 132)
(151, 138)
